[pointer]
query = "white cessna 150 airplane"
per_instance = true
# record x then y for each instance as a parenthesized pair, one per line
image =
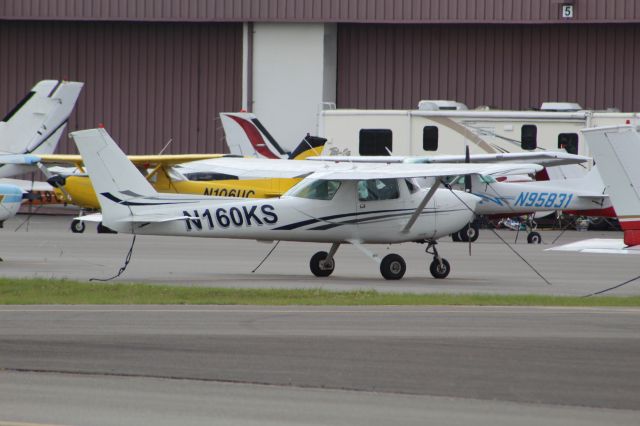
(346, 203)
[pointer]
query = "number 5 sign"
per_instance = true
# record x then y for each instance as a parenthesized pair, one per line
(567, 11)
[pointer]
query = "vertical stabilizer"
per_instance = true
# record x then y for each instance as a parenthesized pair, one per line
(310, 146)
(115, 179)
(616, 151)
(36, 123)
(246, 136)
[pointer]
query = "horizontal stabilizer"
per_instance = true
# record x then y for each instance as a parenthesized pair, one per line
(139, 218)
(152, 218)
(598, 245)
(94, 217)
(25, 159)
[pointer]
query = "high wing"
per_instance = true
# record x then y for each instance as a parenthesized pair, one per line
(146, 160)
(253, 168)
(246, 168)
(546, 158)
(364, 171)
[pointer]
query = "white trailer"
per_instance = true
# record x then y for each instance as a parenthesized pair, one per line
(447, 127)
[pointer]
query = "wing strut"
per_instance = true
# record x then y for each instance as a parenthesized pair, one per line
(423, 203)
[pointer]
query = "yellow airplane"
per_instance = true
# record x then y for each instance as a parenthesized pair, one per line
(75, 188)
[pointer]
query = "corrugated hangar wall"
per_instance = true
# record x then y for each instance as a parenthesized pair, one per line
(504, 66)
(147, 82)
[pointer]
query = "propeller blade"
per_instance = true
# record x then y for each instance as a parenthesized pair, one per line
(467, 178)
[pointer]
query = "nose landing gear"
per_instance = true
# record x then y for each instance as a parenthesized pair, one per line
(439, 267)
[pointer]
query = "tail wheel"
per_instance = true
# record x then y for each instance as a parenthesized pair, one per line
(440, 269)
(534, 238)
(319, 267)
(77, 226)
(393, 267)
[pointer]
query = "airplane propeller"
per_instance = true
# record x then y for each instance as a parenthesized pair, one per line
(467, 178)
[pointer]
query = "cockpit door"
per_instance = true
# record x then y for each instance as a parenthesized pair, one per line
(381, 207)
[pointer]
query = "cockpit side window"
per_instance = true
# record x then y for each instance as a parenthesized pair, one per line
(378, 189)
(317, 189)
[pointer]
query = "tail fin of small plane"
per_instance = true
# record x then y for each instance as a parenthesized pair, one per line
(36, 123)
(115, 179)
(616, 151)
(246, 136)
(310, 146)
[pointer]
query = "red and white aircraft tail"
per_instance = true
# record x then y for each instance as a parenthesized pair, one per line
(616, 151)
(247, 137)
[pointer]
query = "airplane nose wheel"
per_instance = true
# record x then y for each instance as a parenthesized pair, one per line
(319, 267)
(439, 267)
(393, 267)
(534, 237)
(77, 226)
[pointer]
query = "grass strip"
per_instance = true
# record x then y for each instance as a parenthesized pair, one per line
(67, 292)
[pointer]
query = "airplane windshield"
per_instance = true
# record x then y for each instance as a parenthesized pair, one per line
(319, 189)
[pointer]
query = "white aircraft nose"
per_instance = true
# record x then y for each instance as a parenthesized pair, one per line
(469, 201)
(455, 210)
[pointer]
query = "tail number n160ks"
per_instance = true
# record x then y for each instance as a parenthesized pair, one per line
(231, 216)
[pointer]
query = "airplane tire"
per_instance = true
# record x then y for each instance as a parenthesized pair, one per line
(393, 267)
(105, 230)
(77, 226)
(440, 270)
(316, 269)
(456, 237)
(534, 238)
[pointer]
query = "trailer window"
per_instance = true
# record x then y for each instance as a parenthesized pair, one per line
(529, 137)
(376, 141)
(378, 189)
(568, 141)
(430, 138)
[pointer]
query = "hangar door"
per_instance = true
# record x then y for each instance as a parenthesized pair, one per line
(504, 66)
(147, 82)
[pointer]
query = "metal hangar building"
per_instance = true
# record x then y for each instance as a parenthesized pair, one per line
(163, 69)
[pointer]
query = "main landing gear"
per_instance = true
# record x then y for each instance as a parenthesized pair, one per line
(78, 227)
(392, 266)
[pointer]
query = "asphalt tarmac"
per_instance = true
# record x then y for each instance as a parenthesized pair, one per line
(319, 365)
(46, 248)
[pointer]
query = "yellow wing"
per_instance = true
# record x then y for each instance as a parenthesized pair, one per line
(145, 160)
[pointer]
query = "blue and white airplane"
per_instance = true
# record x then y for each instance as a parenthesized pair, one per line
(33, 127)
